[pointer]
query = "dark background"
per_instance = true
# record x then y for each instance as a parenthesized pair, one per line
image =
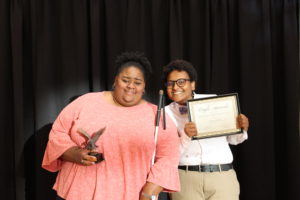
(52, 50)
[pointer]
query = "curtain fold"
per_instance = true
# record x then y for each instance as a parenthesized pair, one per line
(52, 51)
(7, 171)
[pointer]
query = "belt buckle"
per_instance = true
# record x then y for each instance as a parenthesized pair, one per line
(211, 168)
(200, 168)
(186, 168)
(220, 168)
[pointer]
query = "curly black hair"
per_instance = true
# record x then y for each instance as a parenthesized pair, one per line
(180, 65)
(136, 59)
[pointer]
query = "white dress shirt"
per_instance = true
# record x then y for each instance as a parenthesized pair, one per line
(204, 151)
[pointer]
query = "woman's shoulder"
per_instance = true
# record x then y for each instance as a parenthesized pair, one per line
(90, 95)
(87, 98)
(150, 104)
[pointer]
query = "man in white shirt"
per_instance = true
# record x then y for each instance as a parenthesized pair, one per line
(205, 168)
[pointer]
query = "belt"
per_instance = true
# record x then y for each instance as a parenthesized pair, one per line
(206, 168)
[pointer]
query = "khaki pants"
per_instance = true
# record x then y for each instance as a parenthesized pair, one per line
(207, 186)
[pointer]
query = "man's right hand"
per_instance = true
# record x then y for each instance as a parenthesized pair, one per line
(190, 129)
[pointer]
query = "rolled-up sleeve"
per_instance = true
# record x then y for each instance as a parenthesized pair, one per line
(164, 172)
(185, 142)
(237, 138)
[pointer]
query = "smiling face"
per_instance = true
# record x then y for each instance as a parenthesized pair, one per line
(129, 86)
(180, 94)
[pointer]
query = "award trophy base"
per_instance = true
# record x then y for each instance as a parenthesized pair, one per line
(99, 156)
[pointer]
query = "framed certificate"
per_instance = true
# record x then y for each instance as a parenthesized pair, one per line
(215, 116)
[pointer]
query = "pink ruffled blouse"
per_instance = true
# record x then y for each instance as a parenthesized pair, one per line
(127, 145)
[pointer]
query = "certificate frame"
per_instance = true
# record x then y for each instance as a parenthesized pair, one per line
(215, 116)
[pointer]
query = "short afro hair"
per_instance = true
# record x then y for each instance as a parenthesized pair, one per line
(180, 65)
(136, 59)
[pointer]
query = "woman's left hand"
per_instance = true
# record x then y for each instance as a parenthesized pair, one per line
(243, 122)
(150, 189)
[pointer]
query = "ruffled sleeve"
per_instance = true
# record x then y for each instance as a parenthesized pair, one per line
(59, 137)
(164, 172)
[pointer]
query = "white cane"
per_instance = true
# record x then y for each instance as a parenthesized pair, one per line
(157, 119)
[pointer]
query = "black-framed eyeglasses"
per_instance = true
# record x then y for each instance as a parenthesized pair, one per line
(180, 82)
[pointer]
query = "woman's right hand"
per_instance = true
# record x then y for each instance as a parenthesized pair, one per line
(190, 129)
(78, 155)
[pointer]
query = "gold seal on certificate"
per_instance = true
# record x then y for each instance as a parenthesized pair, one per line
(215, 116)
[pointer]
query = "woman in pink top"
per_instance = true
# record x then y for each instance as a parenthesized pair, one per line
(127, 143)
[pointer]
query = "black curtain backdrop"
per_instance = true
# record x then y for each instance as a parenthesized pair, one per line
(52, 50)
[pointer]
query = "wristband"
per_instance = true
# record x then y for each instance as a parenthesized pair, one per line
(150, 196)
